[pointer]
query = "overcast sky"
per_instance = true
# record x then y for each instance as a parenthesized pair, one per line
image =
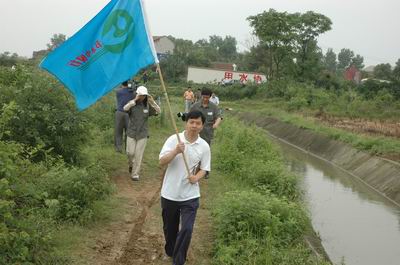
(368, 27)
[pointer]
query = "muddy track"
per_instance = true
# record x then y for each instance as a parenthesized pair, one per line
(136, 237)
(130, 252)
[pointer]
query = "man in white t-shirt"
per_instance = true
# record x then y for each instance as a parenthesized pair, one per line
(180, 193)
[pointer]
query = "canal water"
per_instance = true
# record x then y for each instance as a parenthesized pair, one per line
(356, 224)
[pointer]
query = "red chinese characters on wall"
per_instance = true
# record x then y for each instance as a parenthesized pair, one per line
(243, 78)
(228, 75)
(257, 79)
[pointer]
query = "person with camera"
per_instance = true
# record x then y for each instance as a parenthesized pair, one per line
(123, 94)
(180, 191)
(139, 110)
(210, 112)
(212, 115)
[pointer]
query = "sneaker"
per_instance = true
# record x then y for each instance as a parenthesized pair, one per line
(135, 177)
(130, 169)
(166, 257)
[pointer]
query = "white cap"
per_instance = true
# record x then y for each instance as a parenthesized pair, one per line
(142, 91)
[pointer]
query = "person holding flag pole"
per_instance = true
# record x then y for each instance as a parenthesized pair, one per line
(111, 48)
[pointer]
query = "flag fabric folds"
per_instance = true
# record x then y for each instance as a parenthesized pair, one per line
(108, 50)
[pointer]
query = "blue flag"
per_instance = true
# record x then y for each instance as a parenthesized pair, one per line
(108, 50)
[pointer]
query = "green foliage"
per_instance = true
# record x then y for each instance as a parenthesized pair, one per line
(370, 88)
(396, 74)
(330, 62)
(43, 115)
(383, 71)
(40, 130)
(248, 157)
(358, 62)
(71, 193)
(56, 41)
(236, 91)
(34, 197)
(345, 58)
(202, 54)
(287, 36)
(259, 216)
(7, 59)
(257, 223)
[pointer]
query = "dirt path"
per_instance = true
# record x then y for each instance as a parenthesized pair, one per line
(137, 237)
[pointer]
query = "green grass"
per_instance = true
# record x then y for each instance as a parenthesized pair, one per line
(256, 220)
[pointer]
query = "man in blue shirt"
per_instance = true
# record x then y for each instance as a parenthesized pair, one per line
(124, 94)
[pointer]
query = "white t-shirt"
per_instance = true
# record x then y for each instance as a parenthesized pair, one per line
(176, 185)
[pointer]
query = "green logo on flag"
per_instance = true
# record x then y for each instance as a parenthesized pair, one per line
(122, 24)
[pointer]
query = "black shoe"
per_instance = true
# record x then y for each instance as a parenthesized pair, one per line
(130, 169)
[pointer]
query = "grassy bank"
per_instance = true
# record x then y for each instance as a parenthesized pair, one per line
(377, 145)
(258, 214)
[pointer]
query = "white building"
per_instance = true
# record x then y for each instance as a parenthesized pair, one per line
(217, 76)
(164, 46)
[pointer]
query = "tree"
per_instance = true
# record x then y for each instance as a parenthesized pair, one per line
(288, 36)
(311, 64)
(345, 58)
(276, 32)
(256, 59)
(358, 62)
(383, 71)
(330, 62)
(56, 41)
(308, 27)
(228, 50)
(225, 47)
(8, 59)
(396, 71)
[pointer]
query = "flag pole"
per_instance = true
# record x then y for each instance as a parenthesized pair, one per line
(172, 116)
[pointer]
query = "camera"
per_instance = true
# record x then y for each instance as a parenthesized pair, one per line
(182, 115)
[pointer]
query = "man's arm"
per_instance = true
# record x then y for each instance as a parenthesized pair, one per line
(130, 104)
(168, 157)
(155, 109)
(217, 122)
(195, 178)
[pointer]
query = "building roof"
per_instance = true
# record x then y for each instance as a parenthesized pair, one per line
(157, 38)
(369, 69)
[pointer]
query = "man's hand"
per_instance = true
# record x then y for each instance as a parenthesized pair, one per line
(180, 148)
(215, 126)
(193, 179)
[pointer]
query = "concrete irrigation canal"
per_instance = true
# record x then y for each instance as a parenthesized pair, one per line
(356, 217)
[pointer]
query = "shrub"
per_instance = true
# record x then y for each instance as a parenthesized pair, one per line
(71, 193)
(246, 155)
(45, 116)
(264, 217)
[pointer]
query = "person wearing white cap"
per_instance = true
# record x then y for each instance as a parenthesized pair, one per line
(139, 110)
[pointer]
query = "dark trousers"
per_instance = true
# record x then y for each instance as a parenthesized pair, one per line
(177, 241)
(121, 126)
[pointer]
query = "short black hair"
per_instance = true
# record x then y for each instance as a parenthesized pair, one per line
(125, 83)
(206, 91)
(195, 114)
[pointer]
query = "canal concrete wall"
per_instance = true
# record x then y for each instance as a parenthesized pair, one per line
(380, 174)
